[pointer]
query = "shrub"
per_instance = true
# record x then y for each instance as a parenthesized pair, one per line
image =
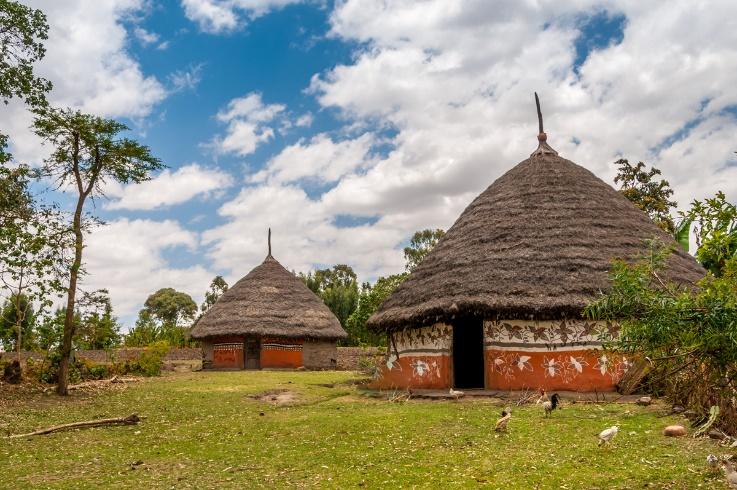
(150, 360)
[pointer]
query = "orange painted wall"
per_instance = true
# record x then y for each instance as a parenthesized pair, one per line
(273, 358)
(228, 358)
(579, 370)
(421, 372)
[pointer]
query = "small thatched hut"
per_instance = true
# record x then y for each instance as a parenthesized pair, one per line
(497, 303)
(269, 319)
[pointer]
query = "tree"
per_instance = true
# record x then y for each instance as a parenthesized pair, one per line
(33, 262)
(715, 225)
(369, 301)
(687, 334)
(10, 322)
(640, 186)
(87, 153)
(218, 286)
(22, 32)
(98, 328)
(167, 314)
(337, 287)
(420, 245)
(50, 328)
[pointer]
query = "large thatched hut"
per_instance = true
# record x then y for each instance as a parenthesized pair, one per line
(269, 319)
(497, 303)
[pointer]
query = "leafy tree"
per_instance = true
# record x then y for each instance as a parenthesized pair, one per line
(337, 287)
(689, 335)
(218, 286)
(642, 188)
(715, 224)
(22, 32)
(98, 328)
(420, 245)
(50, 329)
(33, 262)
(10, 321)
(16, 201)
(167, 314)
(88, 152)
(369, 301)
(146, 331)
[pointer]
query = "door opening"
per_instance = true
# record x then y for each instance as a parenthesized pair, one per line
(468, 353)
(252, 354)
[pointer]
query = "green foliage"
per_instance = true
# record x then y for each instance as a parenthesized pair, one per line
(149, 362)
(218, 286)
(49, 329)
(17, 312)
(167, 315)
(338, 288)
(22, 32)
(420, 245)
(652, 196)
(98, 328)
(715, 225)
(689, 333)
(369, 301)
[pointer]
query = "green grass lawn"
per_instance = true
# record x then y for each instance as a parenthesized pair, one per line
(203, 430)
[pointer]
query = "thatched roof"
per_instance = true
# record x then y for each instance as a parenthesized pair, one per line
(537, 243)
(270, 300)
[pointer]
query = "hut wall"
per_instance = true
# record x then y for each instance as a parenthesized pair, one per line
(281, 353)
(418, 358)
(227, 352)
(207, 354)
(555, 355)
(320, 354)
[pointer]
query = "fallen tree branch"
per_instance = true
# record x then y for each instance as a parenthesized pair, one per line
(101, 382)
(129, 420)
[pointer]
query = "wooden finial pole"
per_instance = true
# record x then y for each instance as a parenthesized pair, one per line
(269, 241)
(539, 114)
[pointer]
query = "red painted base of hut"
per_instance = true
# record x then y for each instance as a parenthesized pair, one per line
(517, 355)
(269, 352)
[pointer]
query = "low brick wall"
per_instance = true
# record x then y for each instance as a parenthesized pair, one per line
(350, 358)
(115, 355)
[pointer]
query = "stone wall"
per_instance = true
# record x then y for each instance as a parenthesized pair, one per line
(319, 355)
(114, 355)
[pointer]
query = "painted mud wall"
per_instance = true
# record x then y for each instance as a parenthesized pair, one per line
(223, 353)
(518, 354)
(555, 355)
(418, 358)
(281, 353)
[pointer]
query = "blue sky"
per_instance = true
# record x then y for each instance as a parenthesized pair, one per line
(347, 126)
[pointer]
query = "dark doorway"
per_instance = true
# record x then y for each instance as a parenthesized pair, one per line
(468, 353)
(252, 354)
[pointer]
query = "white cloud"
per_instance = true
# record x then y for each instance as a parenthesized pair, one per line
(247, 120)
(145, 37)
(453, 82)
(87, 61)
(217, 16)
(168, 188)
(320, 159)
(128, 258)
(186, 79)
(304, 121)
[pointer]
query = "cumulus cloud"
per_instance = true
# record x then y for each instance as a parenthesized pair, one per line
(453, 84)
(319, 158)
(128, 258)
(216, 16)
(248, 125)
(145, 37)
(168, 188)
(87, 61)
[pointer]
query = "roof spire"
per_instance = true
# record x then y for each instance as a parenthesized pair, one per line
(269, 242)
(542, 148)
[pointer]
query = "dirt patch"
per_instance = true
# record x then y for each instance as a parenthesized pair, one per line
(276, 397)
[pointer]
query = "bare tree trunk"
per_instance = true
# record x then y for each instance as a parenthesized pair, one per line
(66, 345)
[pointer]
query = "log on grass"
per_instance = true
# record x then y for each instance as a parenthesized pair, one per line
(129, 420)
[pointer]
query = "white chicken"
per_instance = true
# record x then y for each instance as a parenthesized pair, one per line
(501, 424)
(607, 435)
(543, 397)
(456, 393)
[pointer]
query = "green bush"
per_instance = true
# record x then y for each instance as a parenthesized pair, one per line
(150, 360)
(47, 371)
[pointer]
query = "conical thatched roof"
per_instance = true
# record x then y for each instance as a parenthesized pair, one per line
(270, 300)
(537, 243)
